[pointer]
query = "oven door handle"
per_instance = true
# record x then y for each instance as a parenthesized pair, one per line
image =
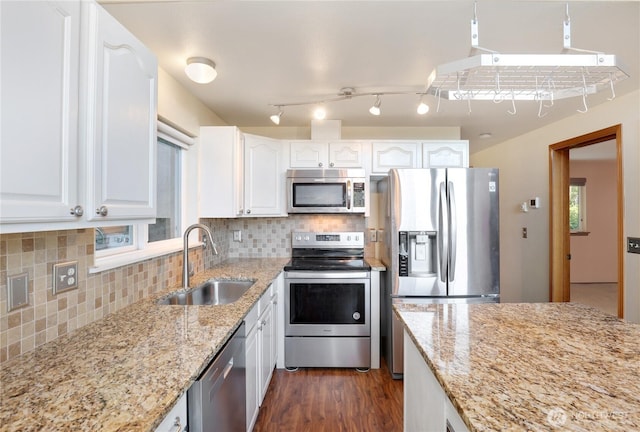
(326, 275)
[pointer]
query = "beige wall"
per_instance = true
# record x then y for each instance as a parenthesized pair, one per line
(594, 257)
(524, 173)
(181, 109)
(279, 132)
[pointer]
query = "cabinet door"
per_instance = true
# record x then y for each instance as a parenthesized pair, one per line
(220, 172)
(345, 155)
(40, 46)
(121, 137)
(266, 350)
(445, 154)
(264, 177)
(176, 420)
(308, 154)
(386, 155)
(252, 376)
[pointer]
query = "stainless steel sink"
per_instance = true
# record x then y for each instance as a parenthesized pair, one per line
(211, 292)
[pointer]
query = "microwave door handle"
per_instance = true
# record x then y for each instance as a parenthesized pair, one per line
(348, 194)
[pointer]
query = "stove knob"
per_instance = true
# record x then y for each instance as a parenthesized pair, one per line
(306, 238)
(298, 238)
(357, 238)
(348, 238)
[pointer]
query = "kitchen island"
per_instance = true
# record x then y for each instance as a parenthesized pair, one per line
(524, 367)
(125, 372)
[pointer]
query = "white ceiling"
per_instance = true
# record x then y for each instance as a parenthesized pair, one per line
(270, 52)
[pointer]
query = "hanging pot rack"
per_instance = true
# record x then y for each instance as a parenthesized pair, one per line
(529, 77)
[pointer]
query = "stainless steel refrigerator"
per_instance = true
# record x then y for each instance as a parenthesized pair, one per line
(441, 243)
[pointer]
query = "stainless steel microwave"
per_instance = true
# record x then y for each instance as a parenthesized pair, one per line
(327, 191)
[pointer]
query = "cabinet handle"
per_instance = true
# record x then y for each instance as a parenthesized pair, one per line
(77, 211)
(249, 211)
(331, 164)
(264, 323)
(320, 164)
(102, 211)
(177, 425)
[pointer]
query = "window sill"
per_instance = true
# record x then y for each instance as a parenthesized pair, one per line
(127, 258)
(579, 233)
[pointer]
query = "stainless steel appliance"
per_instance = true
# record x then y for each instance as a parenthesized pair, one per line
(327, 191)
(327, 301)
(217, 400)
(441, 242)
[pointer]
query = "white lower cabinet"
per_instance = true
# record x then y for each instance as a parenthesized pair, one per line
(176, 420)
(260, 351)
(426, 405)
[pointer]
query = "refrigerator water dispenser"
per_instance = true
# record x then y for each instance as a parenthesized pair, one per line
(417, 253)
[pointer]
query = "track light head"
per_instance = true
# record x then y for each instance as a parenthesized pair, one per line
(423, 108)
(375, 109)
(276, 117)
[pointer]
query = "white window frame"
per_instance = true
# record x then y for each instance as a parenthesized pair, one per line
(143, 250)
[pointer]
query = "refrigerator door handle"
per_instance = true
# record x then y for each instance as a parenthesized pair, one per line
(443, 243)
(454, 232)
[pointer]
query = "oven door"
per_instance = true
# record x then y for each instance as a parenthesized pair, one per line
(327, 304)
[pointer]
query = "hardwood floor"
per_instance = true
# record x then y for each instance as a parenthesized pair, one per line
(329, 400)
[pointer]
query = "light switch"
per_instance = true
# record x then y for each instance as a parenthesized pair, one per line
(18, 291)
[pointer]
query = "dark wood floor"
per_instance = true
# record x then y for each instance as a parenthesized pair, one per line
(329, 400)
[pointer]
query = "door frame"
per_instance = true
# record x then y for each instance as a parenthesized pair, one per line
(559, 238)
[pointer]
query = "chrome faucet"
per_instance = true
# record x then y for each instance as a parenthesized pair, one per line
(185, 252)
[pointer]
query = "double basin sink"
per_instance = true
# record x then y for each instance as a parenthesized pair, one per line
(211, 292)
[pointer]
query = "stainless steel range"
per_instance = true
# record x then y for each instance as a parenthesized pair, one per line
(327, 301)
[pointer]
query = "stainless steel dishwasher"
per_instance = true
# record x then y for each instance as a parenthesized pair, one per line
(217, 400)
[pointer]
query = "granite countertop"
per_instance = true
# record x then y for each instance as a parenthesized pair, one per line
(126, 371)
(534, 367)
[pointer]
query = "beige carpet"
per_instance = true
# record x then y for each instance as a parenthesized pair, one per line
(603, 296)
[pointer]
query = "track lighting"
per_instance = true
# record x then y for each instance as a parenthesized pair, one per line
(375, 108)
(201, 70)
(423, 108)
(276, 117)
(346, 93)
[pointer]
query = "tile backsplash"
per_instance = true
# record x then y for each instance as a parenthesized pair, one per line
(48, 317)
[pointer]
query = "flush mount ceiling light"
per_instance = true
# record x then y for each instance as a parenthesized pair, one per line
(201, 70)
(345, 93)
(276, 117)
(375, 109)
(530, 77)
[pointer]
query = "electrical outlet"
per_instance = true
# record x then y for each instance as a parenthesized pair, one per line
(65, 276)
(524, 232)
(237, 236)
(373, 235)
(633, 245)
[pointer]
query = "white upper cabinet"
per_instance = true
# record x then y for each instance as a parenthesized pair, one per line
(445, 154)
(89, 87)
(315, 154)
(240, 174)
(264, 177)
(40, 48)
(394, 154)
(121, 132)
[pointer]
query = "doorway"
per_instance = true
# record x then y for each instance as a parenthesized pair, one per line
(560, 239)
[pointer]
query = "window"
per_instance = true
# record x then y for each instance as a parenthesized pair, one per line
(578, 205)
(119, 245)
